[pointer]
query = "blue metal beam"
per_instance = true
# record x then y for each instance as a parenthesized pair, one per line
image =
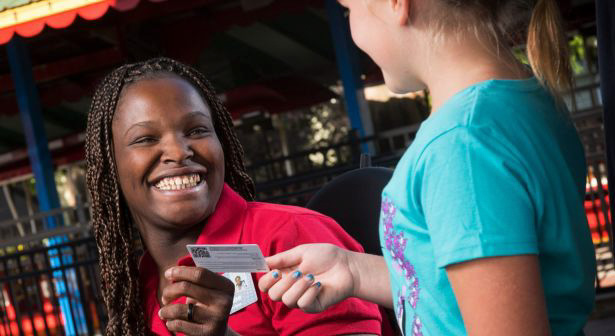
(605, 27)
(347, 56)
(40, 160)
(32, 121)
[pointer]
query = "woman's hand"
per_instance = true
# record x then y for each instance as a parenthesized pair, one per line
(210, 294)
(311, 277)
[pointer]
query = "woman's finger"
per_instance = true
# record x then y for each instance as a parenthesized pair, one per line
(191, 328)
(200, 313)
(279, 289)
(203, 322)
(201, 276)
(296, 291)
(268, 280)
(206, 296)
(180, 311)
(309, 302)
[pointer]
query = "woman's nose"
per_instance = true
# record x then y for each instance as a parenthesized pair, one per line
(176, 149)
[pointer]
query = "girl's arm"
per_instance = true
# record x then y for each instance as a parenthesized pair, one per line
(314, 277)
(371, 276)
(500, 296)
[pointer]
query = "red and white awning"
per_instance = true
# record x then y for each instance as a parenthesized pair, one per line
(27, 18)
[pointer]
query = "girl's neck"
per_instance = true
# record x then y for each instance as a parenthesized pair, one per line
(460, 63)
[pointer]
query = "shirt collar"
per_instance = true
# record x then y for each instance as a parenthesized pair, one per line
(224, 225)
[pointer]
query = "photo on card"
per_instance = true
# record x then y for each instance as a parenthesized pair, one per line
(245, 292)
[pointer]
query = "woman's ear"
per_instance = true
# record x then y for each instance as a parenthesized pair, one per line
(401, 10)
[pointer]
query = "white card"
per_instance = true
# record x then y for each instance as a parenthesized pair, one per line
(237, 258)
(245, 293)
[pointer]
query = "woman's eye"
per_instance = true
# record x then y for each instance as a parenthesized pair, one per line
(198, 131)
(143, 140)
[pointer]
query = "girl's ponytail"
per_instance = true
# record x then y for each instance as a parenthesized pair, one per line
(547, 47)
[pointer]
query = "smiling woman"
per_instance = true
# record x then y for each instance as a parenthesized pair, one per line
(164, 138)
(162, 157)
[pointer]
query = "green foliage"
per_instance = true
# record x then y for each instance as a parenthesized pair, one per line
(521, 55)
(577, 54)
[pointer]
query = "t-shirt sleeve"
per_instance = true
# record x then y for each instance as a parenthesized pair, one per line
(351, 316)
(475, 196)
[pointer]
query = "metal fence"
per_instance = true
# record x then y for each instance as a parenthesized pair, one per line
(390, 143)
(30, 231)
(52, 290)
(298, 187)
(587, 114)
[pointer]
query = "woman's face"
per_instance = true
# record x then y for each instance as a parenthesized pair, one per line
(169, 160)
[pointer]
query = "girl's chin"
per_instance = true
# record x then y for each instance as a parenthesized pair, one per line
(402, 86)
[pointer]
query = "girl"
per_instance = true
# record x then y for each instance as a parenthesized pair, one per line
(482, 226)
(162, 157)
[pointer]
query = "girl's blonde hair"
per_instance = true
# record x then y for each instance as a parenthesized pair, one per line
(547, 46)
(538, 23)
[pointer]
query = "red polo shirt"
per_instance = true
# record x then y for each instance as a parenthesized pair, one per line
(275, 228)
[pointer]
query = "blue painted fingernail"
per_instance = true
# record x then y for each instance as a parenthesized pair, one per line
(275, 274)
(310, 277)
(296, 274)
(318, 284)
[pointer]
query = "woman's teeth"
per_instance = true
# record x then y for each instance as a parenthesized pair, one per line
(179, 182)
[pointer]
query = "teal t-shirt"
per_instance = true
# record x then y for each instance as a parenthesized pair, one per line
(498, 170)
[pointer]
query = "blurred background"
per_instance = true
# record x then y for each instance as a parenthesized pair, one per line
(307, 106)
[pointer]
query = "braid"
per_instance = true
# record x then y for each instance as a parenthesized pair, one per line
(111, 220)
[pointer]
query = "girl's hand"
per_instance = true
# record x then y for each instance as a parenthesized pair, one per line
(211, 295)
(311, 277)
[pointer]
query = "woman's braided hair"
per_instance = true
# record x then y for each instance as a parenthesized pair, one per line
(111, 220)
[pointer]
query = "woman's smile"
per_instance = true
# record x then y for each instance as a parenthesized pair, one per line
(182, 180)
(180, 191)
(178, 183)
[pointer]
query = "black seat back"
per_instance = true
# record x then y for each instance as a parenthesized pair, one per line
(353, 200)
